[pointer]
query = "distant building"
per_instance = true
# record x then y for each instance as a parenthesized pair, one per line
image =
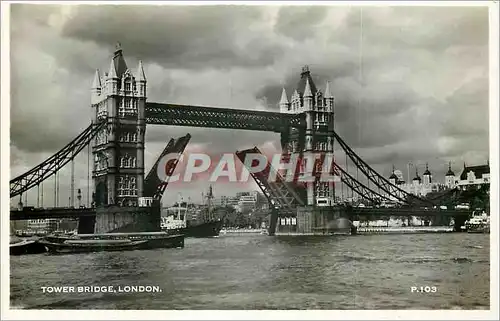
(240, 194)
(419, 186)
(247, 203)
(244, 201)
(474, 176)
(43, 225)
(471, 177)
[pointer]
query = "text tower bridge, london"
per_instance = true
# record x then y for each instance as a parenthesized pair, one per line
(125, 199)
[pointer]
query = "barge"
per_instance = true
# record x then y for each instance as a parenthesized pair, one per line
(82, 243)
(20, 247)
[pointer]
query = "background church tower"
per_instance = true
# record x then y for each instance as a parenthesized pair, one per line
(119, 99)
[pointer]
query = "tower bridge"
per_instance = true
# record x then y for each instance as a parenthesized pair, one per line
(124, 199)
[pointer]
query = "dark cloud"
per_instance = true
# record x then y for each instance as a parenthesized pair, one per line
(298, 22)
(193, 37)
(410, 83)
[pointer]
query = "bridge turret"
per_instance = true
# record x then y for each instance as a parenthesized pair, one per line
(112, 80)
(96, 88)
(141, 80)
(328, 98)
(296, 104)
(284, 103)
(308, 97)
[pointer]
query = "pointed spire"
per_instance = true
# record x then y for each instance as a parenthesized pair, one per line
(427, 172)
(328, 93)
(450, 172)
(284, 99)
(307, 90)
(140, 72)
(96, 84)
(112, 70)
(393, 175)
(417, 178)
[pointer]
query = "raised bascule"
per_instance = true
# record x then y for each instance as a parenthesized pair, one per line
(125, 200)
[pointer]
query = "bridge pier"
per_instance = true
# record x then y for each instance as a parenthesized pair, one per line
(459, 222)
(310, 220)
(273, 222)
(440, 220)
(86, 225)
(116, 219)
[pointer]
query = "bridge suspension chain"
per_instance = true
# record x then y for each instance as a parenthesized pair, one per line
(376, 178)
(52, 165)
(356, 186)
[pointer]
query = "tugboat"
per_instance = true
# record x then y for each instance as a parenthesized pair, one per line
(478, 223)
(202, 223)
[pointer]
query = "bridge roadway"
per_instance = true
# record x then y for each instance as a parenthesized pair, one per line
(421, 212)
(29, 213)
(215, 117)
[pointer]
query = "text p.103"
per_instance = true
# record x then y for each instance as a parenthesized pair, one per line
(423, 289)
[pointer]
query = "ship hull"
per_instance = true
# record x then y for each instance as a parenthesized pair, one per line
(478, 229)
(207, 229)
(26, 247)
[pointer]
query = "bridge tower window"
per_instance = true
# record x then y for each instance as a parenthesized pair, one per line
(128, 161)
(127, 186)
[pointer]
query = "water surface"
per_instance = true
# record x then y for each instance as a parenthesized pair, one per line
(262, 272)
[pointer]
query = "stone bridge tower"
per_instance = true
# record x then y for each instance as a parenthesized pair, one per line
(318, 137)
(119, 98)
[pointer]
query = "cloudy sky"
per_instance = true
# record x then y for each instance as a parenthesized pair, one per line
(410, 84)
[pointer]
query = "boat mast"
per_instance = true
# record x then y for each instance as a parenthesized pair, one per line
(210, 195)
(179, 202)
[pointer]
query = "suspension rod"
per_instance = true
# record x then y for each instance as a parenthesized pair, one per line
(375, 177)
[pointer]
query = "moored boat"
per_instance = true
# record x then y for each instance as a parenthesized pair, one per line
(206, 224)
(111, 242)
(478, 223)
(21, 247)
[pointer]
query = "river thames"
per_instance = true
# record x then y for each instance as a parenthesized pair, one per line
(262, 272)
